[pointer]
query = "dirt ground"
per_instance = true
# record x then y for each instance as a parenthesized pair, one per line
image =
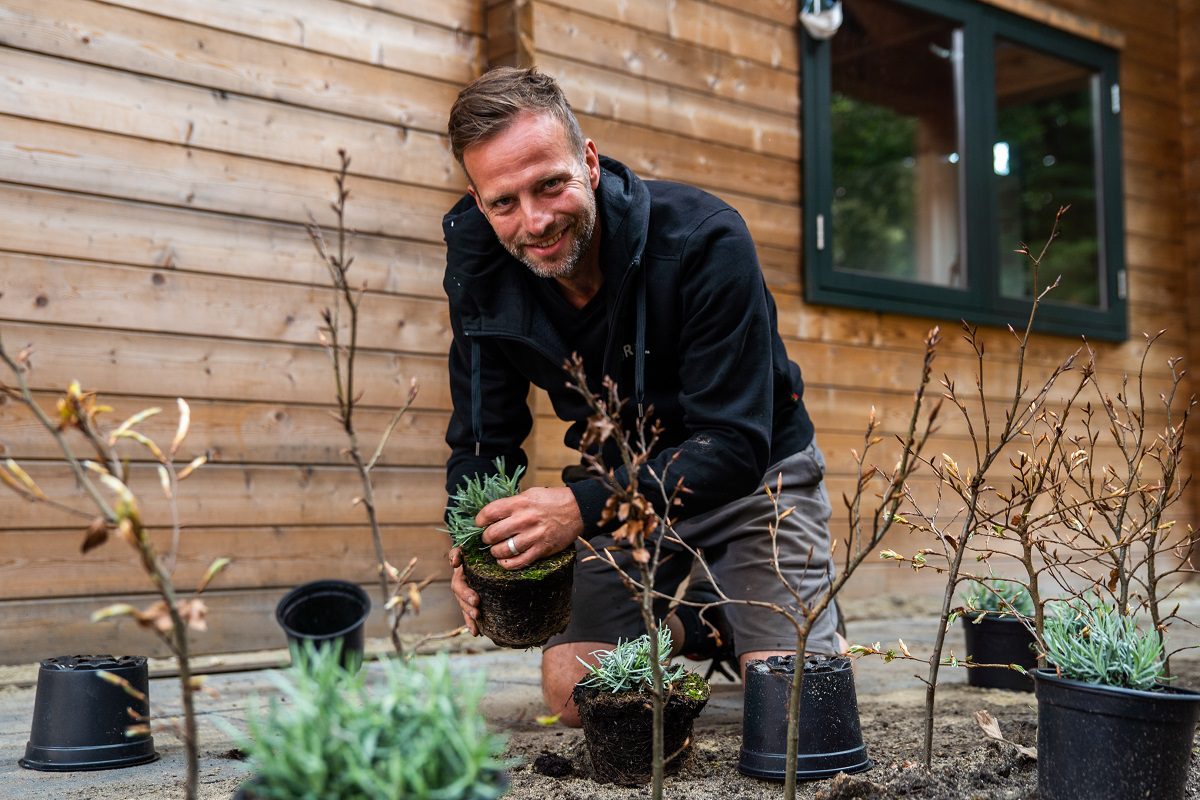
(966, 764)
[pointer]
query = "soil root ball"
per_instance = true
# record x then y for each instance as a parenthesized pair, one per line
(619, 731)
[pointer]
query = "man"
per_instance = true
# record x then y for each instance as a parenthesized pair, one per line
(557, 250)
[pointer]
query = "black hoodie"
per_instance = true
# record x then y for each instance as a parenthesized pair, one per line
(685, 297)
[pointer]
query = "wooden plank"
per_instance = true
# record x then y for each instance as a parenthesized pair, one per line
(1148, 182)
(603, 93)
(254, 433)
(54, 90)
(1079, 25)
(60, 292)
(667, 156)
(49, 563)
(457, 15)
(237, 621)
(626, 50)
(502, 34)
(1153, 251)
(1149, 150)
(1153, 116)
(228, 495)
(52, 223)
(1153, 218)
(1140, 81)
(780, 11)
(208, 369)
(705, 25)
(903, 333)
(337, 29)
(224, 62)
(58, 157)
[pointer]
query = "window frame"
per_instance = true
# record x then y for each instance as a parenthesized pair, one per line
(980, 301)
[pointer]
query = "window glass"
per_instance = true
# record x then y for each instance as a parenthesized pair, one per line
(896, 144)
(1044, 157)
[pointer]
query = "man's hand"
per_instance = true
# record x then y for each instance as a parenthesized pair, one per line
(539, 523)
(468, 601)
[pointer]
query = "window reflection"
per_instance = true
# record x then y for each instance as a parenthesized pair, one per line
(897, 144)
(1046, 123)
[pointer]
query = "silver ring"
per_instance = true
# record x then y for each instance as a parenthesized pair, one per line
(512, 546)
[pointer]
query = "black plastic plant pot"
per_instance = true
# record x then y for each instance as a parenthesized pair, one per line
(1103, 741)
(324, 612)
(80, 719)
(619, 730)
(830, 739)
(522, 608)
(999, 640)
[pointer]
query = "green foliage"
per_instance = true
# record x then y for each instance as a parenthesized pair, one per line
(1093, 642)
(419, 736)
(472, 495)
(998, 596)
(626, 668)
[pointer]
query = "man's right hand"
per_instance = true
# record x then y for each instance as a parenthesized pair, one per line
(468, 600)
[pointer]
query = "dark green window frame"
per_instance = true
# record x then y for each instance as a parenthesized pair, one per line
(980, 301)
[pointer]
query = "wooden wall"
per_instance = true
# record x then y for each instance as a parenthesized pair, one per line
(708, 93)
(157, 161)
(1189, 86)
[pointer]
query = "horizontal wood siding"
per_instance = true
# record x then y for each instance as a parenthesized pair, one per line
(707, 93)
(157, 164)
(158, 159)
(1189, 281)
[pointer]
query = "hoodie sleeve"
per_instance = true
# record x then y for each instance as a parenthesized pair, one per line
(725, 374)
(490, 415)
(503, 416)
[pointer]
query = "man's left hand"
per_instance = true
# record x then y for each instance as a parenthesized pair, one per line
(538, 522)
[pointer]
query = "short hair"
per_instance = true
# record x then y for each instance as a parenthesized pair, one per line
(491, 103)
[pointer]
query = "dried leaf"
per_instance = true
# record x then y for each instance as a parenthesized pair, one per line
(185, 421)
(414, 597)
(213, 569)
(144, 441)
(117, 680)
(97, 534)
(123, 428)
(641, 555)
(194, 613)
(115, 610)
(195, 464)
(991, 728)
(24, 478)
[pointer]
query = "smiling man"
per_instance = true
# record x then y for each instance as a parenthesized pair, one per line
(558, 250)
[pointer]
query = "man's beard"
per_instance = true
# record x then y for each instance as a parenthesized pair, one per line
(580, 230)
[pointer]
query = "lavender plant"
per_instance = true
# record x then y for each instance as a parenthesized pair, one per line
(628, 666)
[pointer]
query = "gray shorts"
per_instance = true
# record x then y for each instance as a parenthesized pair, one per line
(735, 542)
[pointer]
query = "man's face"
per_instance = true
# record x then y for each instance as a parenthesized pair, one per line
(539, 195)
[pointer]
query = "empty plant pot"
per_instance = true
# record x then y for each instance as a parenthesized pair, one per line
(999, 640)
(324, 612)
(618, 728)
(525, 607)
(1104, 741)
(830, 739)
(79, 719)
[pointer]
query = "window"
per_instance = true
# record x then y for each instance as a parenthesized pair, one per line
(940, 134)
